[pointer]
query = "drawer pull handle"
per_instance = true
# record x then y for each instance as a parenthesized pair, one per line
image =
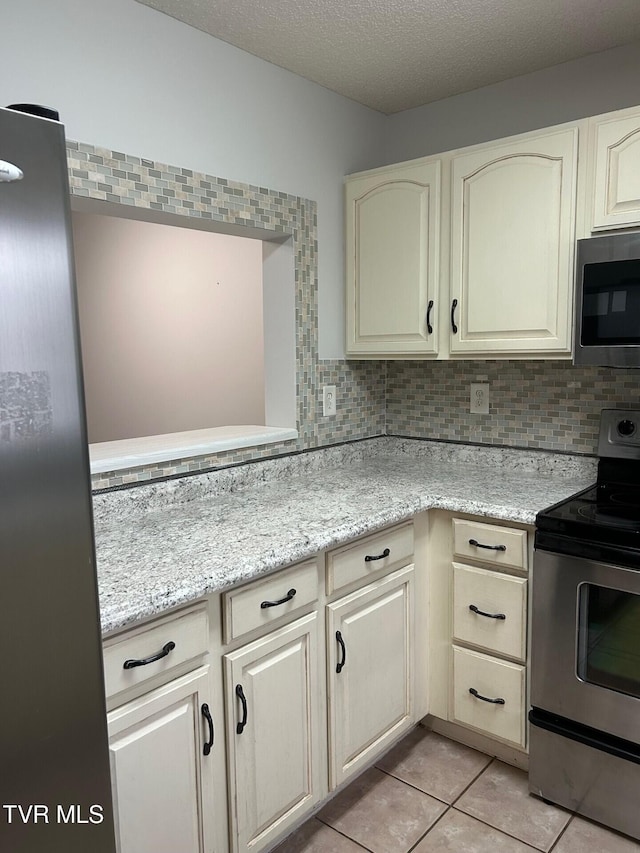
(343, 649)
(168, 647)
(477, 544)
(206, 713)
(384, 554)
(477, 695)
(454, 305)
(288, 597)
(429, 326)
(474, 609)
(243, 699)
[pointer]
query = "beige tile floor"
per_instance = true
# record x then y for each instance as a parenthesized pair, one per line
(432, 795)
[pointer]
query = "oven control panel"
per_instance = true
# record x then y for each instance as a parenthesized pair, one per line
(619, 434)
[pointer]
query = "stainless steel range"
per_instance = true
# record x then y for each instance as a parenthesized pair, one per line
(585, 662)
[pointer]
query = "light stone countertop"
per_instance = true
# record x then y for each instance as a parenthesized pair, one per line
(183, 540)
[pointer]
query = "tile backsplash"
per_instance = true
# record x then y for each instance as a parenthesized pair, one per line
(548, 405)
(132, 181)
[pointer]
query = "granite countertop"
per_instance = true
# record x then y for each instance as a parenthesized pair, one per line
(174, 545)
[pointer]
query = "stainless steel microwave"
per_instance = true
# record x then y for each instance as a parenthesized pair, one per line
(607, 312)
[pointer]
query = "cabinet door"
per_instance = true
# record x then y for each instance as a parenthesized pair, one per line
(616, 183)
(274, 713)
(513, 228)
(161, 779)
(392, 261)
(370, 660)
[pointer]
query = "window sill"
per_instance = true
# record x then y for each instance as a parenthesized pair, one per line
(138, 452)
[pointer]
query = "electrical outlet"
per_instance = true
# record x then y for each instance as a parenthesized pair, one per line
(328, 400)
(479, 398)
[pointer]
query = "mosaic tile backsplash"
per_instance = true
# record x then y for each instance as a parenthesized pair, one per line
(549, 405)
(120, 178)
(533, 404)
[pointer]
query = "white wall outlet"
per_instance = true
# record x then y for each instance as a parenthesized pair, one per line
(328, 400)
(479, 398)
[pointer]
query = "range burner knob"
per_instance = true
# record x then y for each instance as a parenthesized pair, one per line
(626, 428)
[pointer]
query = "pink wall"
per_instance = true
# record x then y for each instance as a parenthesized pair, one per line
(171, 327)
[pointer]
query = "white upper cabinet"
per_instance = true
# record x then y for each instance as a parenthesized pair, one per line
(392, 220)
(615, 166)
(513, 210)
(496, 282)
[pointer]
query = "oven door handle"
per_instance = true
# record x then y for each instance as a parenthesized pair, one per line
(584, 734)
(474, 609)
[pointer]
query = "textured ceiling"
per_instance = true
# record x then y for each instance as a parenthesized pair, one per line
(393, 55)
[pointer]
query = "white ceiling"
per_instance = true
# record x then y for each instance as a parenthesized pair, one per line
(393, 55)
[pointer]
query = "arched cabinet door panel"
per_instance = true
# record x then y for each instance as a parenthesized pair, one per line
(616, 160)
(393, 227)
(512, 246)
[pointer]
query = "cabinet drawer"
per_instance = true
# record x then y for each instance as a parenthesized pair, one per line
(505, 546)
(492, 679)
(185, 637)
(494, 595)
(260, 603)
(349, 564)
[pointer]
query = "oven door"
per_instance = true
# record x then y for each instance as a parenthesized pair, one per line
(585, 650)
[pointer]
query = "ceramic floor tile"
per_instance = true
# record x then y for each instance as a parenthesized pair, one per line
(582, 836)
(316, 837)
(434, 764)
(500, 797)
(382, 813)
(458, 833)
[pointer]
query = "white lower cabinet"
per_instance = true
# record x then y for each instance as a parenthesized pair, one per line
(161, 777)
(275, 718)
(478, 632)
(490, 611)
(489, 695)
(370, 671)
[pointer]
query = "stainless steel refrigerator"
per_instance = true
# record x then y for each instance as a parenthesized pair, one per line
(55, 793)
